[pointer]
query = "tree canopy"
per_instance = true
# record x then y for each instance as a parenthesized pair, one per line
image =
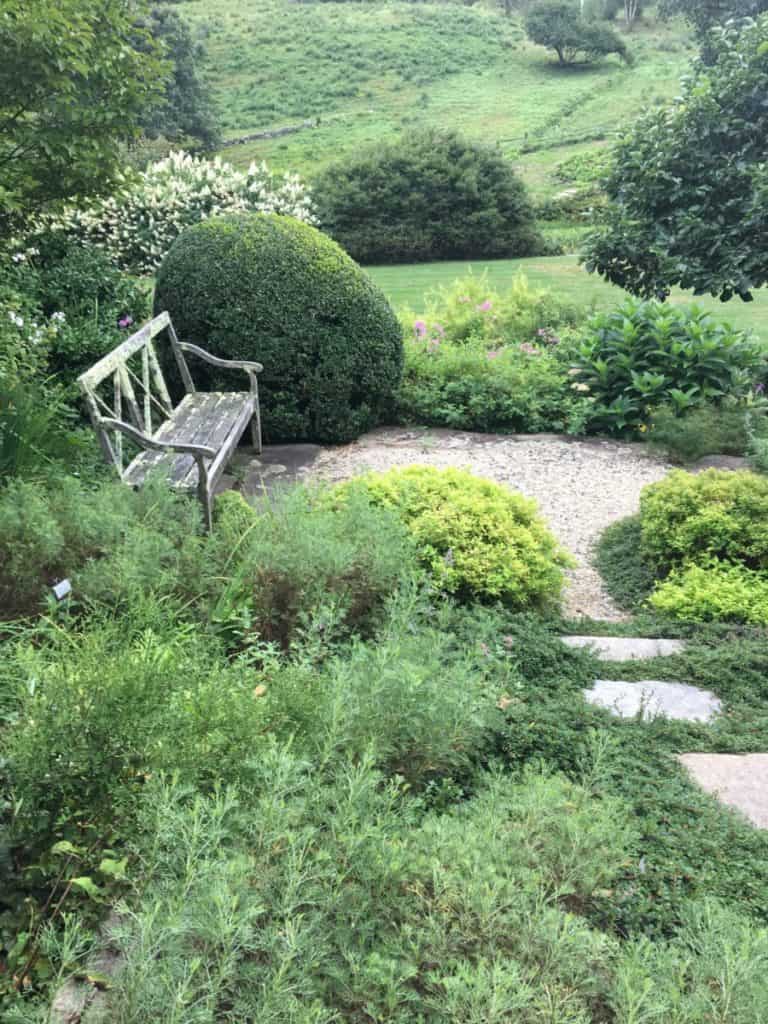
(688, 190)
(72, 87)
(558, 25)
(705, 14)
(185, 110)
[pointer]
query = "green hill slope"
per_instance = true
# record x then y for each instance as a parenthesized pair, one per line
(366, 71)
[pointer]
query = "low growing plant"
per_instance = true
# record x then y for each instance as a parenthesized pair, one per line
(715, 514)
(468, 386)
(713, 592)
(706, 430)
(475, 538)
(647, 354)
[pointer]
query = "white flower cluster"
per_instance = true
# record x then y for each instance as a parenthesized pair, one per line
(35, 333)
(24, 343)
(25, 255)
(137, 226)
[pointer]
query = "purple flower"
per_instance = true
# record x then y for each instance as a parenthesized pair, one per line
(528, 349)
(420, 328)
(485, 306)
(759, 389)
(125, 321)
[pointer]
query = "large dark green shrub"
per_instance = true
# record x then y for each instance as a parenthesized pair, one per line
(266, 287)
(429, 196)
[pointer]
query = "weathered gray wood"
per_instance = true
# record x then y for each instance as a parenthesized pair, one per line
(181, 362)
(118, 355)
(230, 364)
(196, 440)
(159, 380)
(161, 446)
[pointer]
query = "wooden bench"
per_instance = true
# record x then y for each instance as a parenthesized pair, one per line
(190, 443)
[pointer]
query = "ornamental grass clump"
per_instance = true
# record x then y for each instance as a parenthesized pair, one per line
(475, 538)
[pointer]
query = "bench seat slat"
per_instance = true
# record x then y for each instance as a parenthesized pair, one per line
(206, 418)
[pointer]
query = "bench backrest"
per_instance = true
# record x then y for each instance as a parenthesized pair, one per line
(127, 384)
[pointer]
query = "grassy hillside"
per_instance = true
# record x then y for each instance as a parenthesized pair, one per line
(407, 286)
(367, 71)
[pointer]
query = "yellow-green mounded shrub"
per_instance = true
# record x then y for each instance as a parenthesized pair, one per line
(717, 592)
(715, 514)
(476, 538)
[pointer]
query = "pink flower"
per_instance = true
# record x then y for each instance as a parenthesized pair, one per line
(492, 354)
(433, 344)
(420, 328)
(463, 298)
(125, 321)
(485, 306)
(528, 349)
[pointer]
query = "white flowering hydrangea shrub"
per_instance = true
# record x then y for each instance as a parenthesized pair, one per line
(137, 226)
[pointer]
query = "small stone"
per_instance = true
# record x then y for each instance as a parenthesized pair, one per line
(738, 780)
(652, 698)
(626, 648)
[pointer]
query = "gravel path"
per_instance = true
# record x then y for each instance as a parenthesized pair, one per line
(581, 486)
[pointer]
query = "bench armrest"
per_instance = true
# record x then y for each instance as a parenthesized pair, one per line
(160, 446)
(229, 364)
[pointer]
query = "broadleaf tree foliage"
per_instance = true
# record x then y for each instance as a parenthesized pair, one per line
(688, 189)
(72, 87)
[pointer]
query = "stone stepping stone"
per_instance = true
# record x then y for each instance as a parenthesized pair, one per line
(626, 648)
(652, 698)
(738, 780)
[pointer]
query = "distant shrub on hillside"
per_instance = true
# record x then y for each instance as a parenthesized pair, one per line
(559, 25)
(429, 196)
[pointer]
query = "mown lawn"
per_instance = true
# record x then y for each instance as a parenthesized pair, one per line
(365, 73)
(406, 285)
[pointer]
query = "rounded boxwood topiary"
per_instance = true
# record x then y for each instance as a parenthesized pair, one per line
(269, 288)
(475, 538)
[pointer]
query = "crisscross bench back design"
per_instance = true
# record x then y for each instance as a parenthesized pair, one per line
(127, 398)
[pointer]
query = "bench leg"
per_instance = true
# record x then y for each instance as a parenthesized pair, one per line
(256, 429)
(204, 493)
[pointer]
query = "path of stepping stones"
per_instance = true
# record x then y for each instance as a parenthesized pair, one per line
(738, 780)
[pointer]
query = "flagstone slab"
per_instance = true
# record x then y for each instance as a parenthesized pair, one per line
(626, 648)
(738, 780)
(653, 698)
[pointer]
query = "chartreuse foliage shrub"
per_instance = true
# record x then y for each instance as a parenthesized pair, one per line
(271, 289)
(698, 551)
(476, 538)
(430, 195)
(646, 354)
(714, 592)
(715, 514)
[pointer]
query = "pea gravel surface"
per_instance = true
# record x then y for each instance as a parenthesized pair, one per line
(581, 486)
